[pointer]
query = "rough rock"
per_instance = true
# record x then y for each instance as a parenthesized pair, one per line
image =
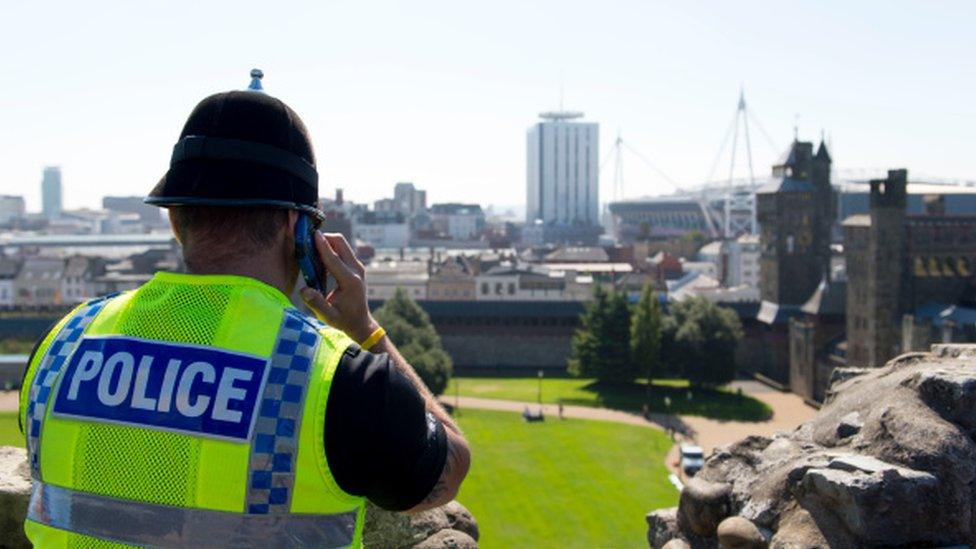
(386, 529)
(849, 425)
(662, 526)
(890, 459)
(448, 539)
(703, 505)
(15, 489)
(459, 518)
(676, 543)
(740, 533)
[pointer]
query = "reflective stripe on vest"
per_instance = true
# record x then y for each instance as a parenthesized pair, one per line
(274, 444)
(47, 373)
(140, 523)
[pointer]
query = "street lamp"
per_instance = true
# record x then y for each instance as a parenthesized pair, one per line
(540, 389)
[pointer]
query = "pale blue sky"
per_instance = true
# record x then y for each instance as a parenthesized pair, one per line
(441, 93)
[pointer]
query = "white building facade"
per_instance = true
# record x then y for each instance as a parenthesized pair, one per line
(458, 221)
(743, 261)
(562, 174)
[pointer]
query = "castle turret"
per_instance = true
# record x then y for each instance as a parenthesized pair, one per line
(875, 271)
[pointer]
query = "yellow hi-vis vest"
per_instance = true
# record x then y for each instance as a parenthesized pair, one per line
(187, 413)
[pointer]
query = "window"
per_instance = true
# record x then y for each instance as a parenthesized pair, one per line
(484, 288)
(498, 288)
(511, 288)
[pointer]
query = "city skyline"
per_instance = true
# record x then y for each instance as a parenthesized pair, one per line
(442, 96)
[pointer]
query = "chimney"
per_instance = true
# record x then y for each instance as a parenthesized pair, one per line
(338, 199)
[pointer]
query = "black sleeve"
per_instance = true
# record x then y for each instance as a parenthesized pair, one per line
(380, 441)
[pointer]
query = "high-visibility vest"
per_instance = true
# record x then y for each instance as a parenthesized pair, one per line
(187, 413)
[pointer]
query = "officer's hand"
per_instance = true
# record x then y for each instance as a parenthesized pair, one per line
(345, 307)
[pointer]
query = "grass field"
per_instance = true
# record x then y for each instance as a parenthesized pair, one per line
(713, 403)
(570, 483)
(9, 432)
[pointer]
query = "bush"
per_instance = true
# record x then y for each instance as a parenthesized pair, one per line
(699, 340)
(409, 327)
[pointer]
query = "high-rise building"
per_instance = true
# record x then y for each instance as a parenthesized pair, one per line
(562, 177)
(51, 192)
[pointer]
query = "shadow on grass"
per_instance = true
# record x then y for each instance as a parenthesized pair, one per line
(711, 403)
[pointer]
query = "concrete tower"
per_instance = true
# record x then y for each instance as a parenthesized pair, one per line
(51, 204)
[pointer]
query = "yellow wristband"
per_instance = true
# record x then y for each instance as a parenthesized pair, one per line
(373, 338)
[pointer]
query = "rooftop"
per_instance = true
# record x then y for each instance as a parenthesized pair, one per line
(859, 220)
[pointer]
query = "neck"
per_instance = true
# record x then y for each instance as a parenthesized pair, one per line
(266, 267)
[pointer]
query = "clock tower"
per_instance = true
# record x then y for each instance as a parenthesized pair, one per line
(796, 213)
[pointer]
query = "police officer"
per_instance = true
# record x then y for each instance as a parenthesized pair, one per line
(203, 409)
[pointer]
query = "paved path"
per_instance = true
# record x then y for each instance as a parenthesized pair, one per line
(789, 410)
(8, 401)
(552, 411)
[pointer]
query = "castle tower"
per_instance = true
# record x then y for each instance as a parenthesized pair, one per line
(796, 212)
(874, 249)
(886, 250)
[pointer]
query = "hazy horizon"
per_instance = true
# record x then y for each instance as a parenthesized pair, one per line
(442, 95)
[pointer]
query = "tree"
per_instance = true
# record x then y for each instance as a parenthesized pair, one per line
(409, 327)
(700, 338)
(598, 348)
(586, 345)
(645, 335)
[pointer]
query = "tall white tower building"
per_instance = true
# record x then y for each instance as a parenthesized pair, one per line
(51, 192)
(562, 179)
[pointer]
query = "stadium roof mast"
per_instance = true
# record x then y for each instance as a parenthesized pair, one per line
(739, 203)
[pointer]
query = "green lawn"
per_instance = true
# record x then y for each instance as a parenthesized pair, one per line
(570, 483)
(9, 432)
(714, 403)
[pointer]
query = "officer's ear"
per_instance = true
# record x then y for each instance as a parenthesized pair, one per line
(173, 226)
(292, 219)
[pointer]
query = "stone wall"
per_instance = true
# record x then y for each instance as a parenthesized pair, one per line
(890, 460)
(449, 526)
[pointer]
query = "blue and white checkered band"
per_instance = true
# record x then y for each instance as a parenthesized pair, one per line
(274, 446)
(49, 370)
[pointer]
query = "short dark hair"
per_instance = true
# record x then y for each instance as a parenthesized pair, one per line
(226, 231)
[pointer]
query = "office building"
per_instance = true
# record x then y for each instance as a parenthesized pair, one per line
(51, 204)
(562, 179)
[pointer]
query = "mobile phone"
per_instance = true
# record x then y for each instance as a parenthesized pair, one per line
(307, 256)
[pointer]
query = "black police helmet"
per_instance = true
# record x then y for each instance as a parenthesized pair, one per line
(241, 148)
